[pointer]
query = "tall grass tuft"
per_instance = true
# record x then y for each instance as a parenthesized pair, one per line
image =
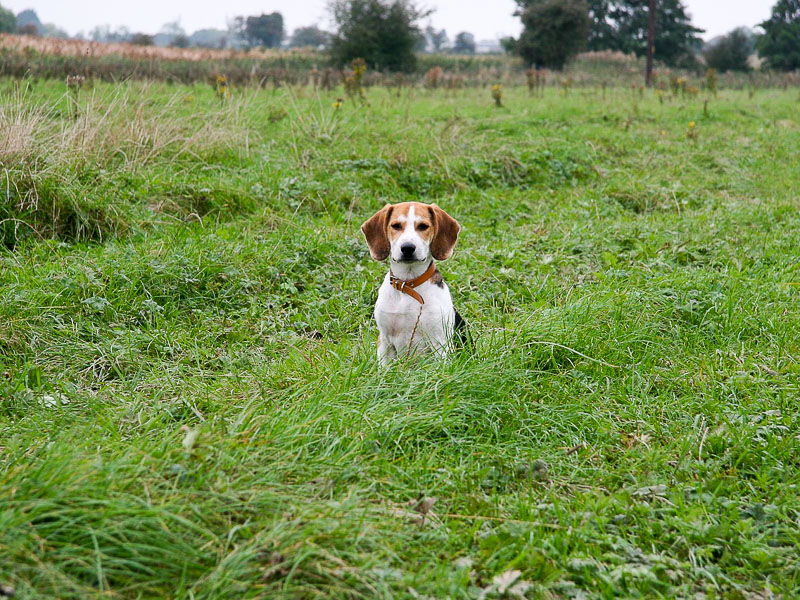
(49, 146)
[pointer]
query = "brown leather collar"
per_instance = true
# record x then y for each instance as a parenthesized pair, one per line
(407, 285)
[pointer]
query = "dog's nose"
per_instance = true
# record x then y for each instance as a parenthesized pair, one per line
(408, 250)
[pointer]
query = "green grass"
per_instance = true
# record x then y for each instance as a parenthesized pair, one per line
(190, 406)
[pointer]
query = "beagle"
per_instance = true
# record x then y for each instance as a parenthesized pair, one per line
(414, 310)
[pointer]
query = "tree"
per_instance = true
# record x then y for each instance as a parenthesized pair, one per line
(731, 51)
(382, 32)
(99, 33)
(8, 22)
(28, 22)
(436, 39)
(180, 41)
(51, 30)
(780, 43)
(312, 36)
(675, 36)
(265, 30)
(553, 32)
(236, 32)
(171, 34)
(622, 25)
(508, 44)
(603, 34)
(464, 44)
(141, 39)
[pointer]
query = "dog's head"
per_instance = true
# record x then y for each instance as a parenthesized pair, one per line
(411, 232)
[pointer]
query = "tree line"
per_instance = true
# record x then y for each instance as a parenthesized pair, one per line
(555, 30)
(265, 30)
(387, 34)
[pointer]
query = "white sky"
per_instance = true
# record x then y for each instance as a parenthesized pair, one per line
(487, 20)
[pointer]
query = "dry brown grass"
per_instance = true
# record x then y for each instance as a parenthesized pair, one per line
(18, 122)
(120, 125)
(50, 150)
(58, 47)
(608, 57)
(45, 145)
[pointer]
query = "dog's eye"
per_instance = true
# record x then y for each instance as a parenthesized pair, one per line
(422, 226)
(396, 226)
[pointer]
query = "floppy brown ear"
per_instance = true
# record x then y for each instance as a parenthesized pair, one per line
(374, 230)
(446, 230)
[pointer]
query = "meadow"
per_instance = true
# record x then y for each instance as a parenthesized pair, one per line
(29, 57)
(190, 405)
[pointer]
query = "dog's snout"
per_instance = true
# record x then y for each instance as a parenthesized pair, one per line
(408, 250)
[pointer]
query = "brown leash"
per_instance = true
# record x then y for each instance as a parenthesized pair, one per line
(407, 285)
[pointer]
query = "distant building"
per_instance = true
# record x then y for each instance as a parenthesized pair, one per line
(488, 47)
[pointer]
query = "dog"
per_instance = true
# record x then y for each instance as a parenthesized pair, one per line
(414, 310)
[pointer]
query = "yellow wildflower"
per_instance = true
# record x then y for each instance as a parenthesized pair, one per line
(497, 94)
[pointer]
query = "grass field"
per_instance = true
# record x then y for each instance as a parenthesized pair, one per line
(190, 406)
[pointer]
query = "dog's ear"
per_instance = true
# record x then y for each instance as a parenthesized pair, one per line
(374, 230)
(446, 230)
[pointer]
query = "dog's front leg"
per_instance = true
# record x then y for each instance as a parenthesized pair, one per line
(386, 352)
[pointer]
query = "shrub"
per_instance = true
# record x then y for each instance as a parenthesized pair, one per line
(141, 39)
(309, 37)
(730, 53)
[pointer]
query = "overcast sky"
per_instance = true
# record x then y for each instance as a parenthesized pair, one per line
(487, 20)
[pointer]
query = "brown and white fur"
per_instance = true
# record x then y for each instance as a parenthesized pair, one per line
(412, 234)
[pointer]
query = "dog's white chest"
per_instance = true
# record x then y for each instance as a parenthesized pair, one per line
(406, 325)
